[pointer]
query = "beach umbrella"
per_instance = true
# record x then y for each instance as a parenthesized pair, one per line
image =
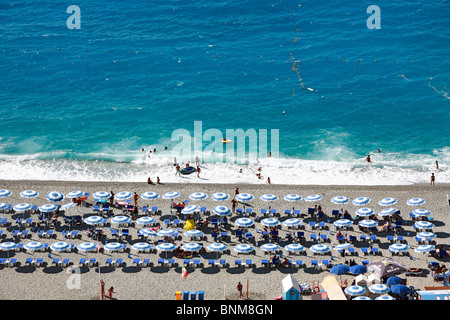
(7, 246)
(400, 289)
(87, 246)
(145, 221)
(358, 269)
(362, 298)
(102, 195)
(198, 196)
(3, 206)
(387, 212)
(292, 222)
(121, 220)
(269, 197)
(222, 210)
(424, 248)
(191, 247)
(54, 196)
(423, 225)
(166, 233)
(22, 207)
(387, 202)
(379, 288)
(393, 280)
(270, 222)
(415, 202)
(243, 248)
(67, 206)
(141, 246)
(194, 233)
(340, 200)
(343, 246)
(33, 246)
(47, 208)
(149, 195)
(361, 201)
(367, 223)
(149, 232)
(314, 197)
(244, 222)
(165, 247)
(75, 194)
(94, 220)
(355, 290)
(294, 247)
(340, 269)
(190, 209)
(244, 197)
(426, 235)
(29, 194)
(398, 247)
(421, 212)
(124, 195)
(60, 246)
(364, 212)
(113, 246)
(320, 248)
(217, 247)
(5, 193)
(342, 223)
(386, 268)
(270, 247)
(220, 196)
(171, 195)
(293, 197)
(385, 297)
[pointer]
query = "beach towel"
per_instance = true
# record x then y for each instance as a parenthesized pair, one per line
(184, 272)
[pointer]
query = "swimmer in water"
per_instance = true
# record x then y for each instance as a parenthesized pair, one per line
(368, 158)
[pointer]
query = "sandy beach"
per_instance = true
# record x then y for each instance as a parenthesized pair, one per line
(130, 282)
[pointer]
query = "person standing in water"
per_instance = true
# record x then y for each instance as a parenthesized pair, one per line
(368, 158)
(433, 178)
(437, 165)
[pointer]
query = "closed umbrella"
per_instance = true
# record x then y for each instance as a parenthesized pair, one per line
(343, 246)
(67, 206)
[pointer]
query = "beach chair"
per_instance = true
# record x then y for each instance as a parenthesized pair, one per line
(249, 211)
(65, 262)
(176, 222)
(352, 239)
(311, 211)
(4, 222)
(239, 211)
(264, 212)
(297, 213)
(322, 225)
(82, 262)
(373, 238)
(74, 234)
(351, 251)
(222, 263)
(238, 263)
(323, 237)
(273, 212)
(248, 236)
(265, 263)
(215, 222)
(288, 212)
(390, 239)
(3, 261)
(155, 210)
(313, 237)
(39, 262)
(335, 213)
(365, 251)
(212, 262)
(265, 235)
(249, 263)
(12, 262)
(313, 225)
(196, 263)
(161, 262)
(56, 262)
(109, 262)
(326, 263)
(215, 236)
(93, 262)
(238, 234)
(167, 222)
(376, 251)
(137, 262)
(171, 263)
(146, 262)
(145, 210)
(315, 264)
(363, 237)
(300, 236)
(29, 262)
(299, 263)
(119, 262)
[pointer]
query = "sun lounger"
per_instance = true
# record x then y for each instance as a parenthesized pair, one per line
(299, 263)
(118, 262)
(12, 262)
(196, 263)
(238, 263)
(39, 262)
(29, 261)
(249, 263)
(82, 262)
(65, 262)
(365, 251)
(93, 262)
(109, 262)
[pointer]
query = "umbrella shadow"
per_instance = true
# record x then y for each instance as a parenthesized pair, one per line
(106, 269)
(131, 269)
(160, 269)
(52, 269)
(236, 270)
(26, 269)
(211, 270)
(263, 270)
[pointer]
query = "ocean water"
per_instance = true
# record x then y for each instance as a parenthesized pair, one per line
(80, 104)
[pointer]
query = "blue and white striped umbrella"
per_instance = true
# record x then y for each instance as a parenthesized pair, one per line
(387, 202)
(269, 197)
(33, 246)
(113, 246)
(243, 248)
(144, 221)
(198, 196)
(220, 196)
(29, 194)
(364, 212)
(270, 247)
(340, 200)
(149, 195)
(294, 247)
(293, 197)
(68, 206)
(87, 246)
(171, 195)
(398, 247)
(54, 196)
(60, 246)
(166, 246)
(342, 223)
(149, 232)
(22, 207)
(367, 223)
(270, 222)
(415, 202)
(3, 206)
(343, 246)
(222, 210)
(244, 222)
(48, 208)
(121, 220)
(75, 194)
(102, 195)
(379, 288)
(141, 246)
(191, 209)
(320, 248)
(191, 247)
(124, 195)
(423, 225)
(8, 246)
(5, 193)
(217, 247)
(426, 235)
(421, 212)
(361, 201)
(424, 248)
(166, 233)
(355, 290)
(385, 297)
(362, 298)
(93, 220)
(314, 197)
(194, 233)
(387, 212)
(292, 222)
(244, 197)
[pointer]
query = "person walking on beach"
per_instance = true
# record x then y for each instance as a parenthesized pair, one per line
(268, 180)
(178, 168)
(136, 197)
(198, 172)
(239, 288)
(197, 161)
(236, 191)
(432, 179)
(111, 199)
(233, 205)
(102, 289)
(110, 292)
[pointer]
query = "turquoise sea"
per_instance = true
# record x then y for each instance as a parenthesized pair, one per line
(80, 104)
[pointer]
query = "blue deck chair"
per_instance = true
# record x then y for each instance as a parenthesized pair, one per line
(222, 263)
(146, 262)
(249, 263)
(196, 263)
(82, 262)
(65, 262)
(249, 211)
(238, 263)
